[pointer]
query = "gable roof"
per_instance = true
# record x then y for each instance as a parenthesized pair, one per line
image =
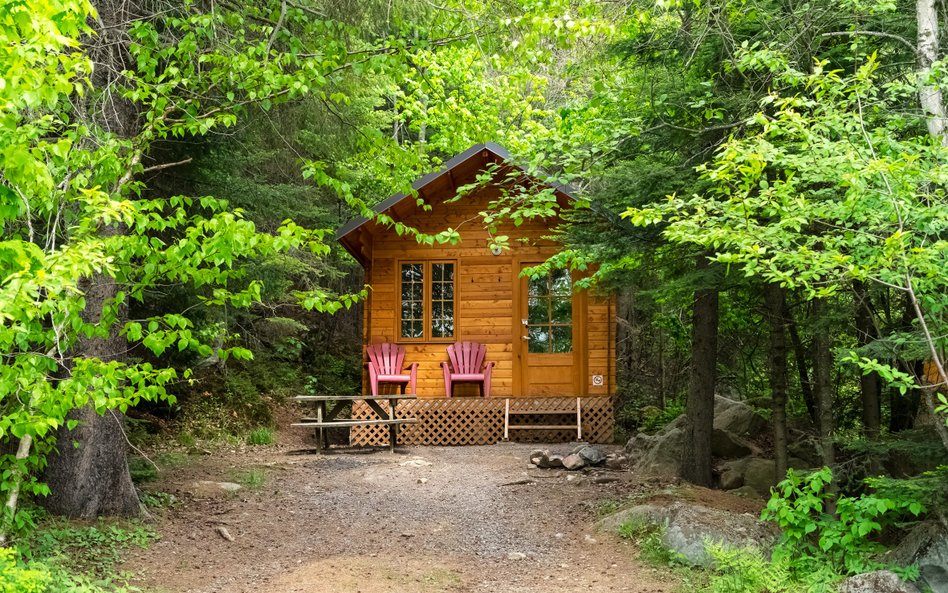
(474, 152)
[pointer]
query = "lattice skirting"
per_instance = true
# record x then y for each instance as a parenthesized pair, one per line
(479, 421)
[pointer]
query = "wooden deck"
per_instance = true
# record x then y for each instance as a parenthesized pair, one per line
(480, 421)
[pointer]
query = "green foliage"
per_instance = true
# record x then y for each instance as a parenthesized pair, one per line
(64, 558)
(648, 538)
(928, 488)
(260, 436)
(252, 479)
(335, 374)
(18, 578)
(158, 499)
(38, 577)
(75, 214)
(141, 469)
(822, 532)
(651, 419)
(94, 550)
(739, 570)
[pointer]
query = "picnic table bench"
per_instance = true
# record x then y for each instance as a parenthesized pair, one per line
(325, 420)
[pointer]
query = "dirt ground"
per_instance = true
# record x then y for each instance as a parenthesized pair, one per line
(422, 520)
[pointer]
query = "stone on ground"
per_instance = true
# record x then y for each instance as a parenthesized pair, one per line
(592, 455)
(688, 527)
(574, 462)
(210, 489)
(880, 581)
(543, 459)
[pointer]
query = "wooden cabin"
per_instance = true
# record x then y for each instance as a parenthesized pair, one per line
(550, 343)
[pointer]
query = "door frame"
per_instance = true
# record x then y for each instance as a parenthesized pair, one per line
(580, 355)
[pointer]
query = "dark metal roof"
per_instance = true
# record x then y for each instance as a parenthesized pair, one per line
(456, 160)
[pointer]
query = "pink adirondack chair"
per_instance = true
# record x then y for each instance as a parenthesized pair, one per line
(466, 364)
(385, 366)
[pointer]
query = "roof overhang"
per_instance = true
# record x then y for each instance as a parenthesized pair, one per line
(346, 233)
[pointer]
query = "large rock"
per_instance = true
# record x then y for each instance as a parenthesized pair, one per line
(725, 445)
(760, 474)
(732, 478)
(933, 565)
(661, 454)
(737, 418)
(688, 527)
(879, 581)
(805, 449)
(927, 546)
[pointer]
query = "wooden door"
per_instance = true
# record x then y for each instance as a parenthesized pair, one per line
(547, 335)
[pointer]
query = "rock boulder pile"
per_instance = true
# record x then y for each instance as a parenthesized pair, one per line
(741, 465)
(581, 456)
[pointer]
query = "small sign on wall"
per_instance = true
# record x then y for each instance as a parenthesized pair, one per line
(597, 381)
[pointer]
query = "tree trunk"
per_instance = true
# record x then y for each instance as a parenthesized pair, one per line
(88, 474)
(624, 337)
(774, 298)
(929, 95)
(800, 357)
(699, 408)
(823, 363)
(871, 383)
(904, 406)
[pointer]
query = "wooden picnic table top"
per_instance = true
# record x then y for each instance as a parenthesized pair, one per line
(334, 398)
(315, 423)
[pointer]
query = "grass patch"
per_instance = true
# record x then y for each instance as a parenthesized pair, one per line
(158, 499)
(251, 479)
(607, 507)
(171, 459)
(648, 538)
(67, 557)
(260, 436)
(92, 549)
(141, 469)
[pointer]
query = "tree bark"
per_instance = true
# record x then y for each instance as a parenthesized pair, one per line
(823, 364)
(88, 474)
(699, 408)
(800, 357)
(929, 95)
(904, 406)
(774, 298)
(871, 383)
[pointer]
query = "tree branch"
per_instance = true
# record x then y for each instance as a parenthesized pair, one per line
(165, 166)
(892, 36)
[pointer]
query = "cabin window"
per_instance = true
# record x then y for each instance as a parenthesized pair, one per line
(550, 313)
(427, 301)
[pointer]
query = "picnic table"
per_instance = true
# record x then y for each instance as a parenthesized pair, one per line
(325, 420)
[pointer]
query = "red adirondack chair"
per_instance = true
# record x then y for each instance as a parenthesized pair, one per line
(466, 364)
(385, 366)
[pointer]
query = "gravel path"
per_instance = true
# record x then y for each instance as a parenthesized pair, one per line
(421, 520)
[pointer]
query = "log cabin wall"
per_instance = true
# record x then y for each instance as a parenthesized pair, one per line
(489, 299)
